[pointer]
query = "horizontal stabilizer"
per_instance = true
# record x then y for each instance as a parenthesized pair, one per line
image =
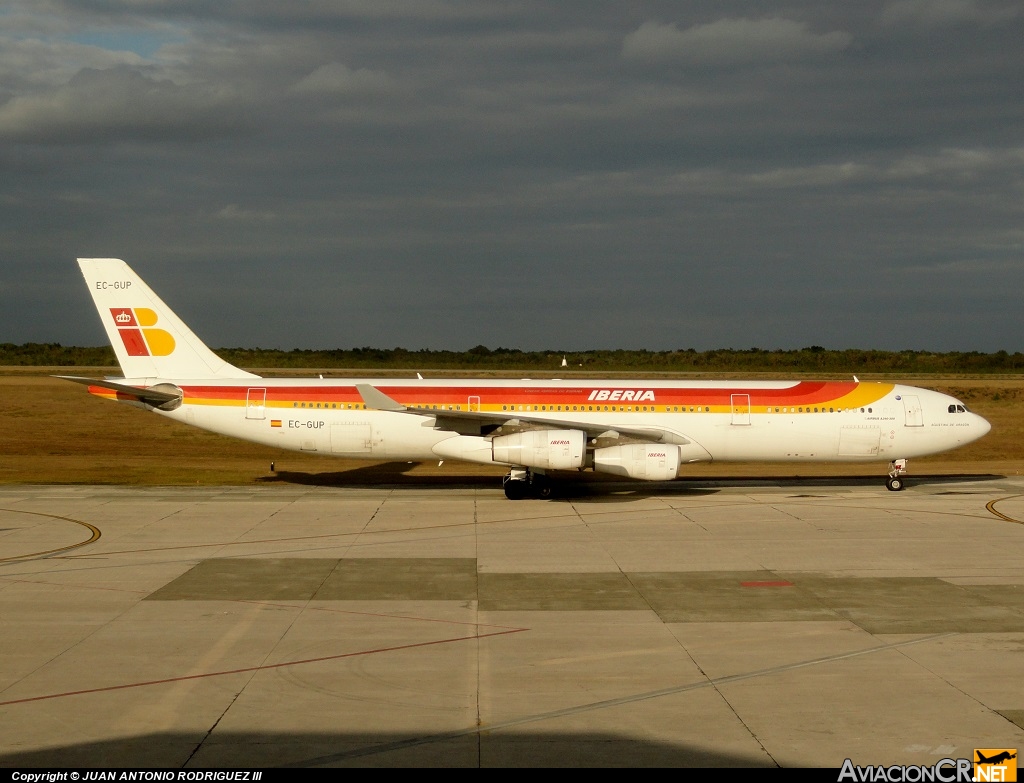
(163, 395)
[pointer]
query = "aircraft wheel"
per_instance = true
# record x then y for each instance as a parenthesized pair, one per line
(543, 490)
(515, 490)
(894, 484)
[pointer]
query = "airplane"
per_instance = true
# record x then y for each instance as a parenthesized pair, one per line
(638, 428)
(996, 759)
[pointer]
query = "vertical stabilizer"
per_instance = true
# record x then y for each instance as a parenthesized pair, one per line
(149, 339)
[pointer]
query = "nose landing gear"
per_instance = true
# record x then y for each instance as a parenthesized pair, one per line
(896, 469)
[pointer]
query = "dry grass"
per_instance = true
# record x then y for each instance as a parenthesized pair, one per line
(54, 432)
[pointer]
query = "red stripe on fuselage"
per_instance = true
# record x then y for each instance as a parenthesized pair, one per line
(802, 393)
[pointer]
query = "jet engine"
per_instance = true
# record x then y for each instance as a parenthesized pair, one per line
(547, 449)
(647, 461)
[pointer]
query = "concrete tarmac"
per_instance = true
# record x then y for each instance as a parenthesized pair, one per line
(763, 623)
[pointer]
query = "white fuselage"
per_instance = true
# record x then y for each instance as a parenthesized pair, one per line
(812, 421)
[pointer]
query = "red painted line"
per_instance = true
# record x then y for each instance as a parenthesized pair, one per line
(104, 553)
(187, 677)
(780, 583)
(72, 586)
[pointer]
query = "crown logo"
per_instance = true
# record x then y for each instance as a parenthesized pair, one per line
(123, 318)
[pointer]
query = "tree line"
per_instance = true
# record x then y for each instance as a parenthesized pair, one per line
(811, 359)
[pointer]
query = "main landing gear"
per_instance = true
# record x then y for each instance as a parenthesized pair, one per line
(523, 483)
(896, 469)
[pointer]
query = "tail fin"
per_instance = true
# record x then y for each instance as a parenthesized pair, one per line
(149, 339)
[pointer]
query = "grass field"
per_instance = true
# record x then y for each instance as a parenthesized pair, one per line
(54, 432)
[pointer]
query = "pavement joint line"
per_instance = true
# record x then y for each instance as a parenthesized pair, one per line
(66, 585)
(252, 542)
(311, 607)
(600, 705)
(266, 657)
(247, 669)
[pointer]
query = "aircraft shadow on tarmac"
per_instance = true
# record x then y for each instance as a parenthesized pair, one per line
(568, 485)
(571, 485)
(260, 750)
(390, 474)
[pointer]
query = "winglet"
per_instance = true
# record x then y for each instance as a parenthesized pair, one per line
(374, 398)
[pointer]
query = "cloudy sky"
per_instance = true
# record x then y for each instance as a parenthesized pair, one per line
(537, 175)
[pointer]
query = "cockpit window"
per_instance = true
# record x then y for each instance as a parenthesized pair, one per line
(957, 409)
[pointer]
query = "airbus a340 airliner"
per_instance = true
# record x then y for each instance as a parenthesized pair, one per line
(643, 429)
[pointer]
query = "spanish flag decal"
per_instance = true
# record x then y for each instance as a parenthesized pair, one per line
(275, 422)
(137, 332)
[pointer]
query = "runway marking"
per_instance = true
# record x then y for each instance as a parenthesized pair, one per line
(600, 705)
(95, 536)
(247, 669)
(991, 506)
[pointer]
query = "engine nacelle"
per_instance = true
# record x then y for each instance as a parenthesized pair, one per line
(647, 461)
(552, 449)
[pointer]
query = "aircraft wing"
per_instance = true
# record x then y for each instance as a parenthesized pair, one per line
(449, 420)
(162, 395)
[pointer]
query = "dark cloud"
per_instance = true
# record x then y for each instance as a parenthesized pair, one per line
(731, 42)
(115, 104)
(531, 175)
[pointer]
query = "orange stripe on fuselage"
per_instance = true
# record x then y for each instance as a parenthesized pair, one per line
(111, 394)
(838, 394)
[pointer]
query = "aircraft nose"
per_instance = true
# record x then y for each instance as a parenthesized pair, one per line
(981, 425)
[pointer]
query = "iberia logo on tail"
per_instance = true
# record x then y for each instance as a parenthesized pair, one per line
(139, 338)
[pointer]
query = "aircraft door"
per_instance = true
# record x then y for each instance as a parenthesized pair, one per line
(256, 404)
(474, 403)
(912, 409)
(859, 440)
(351, 438)
(740, 409)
